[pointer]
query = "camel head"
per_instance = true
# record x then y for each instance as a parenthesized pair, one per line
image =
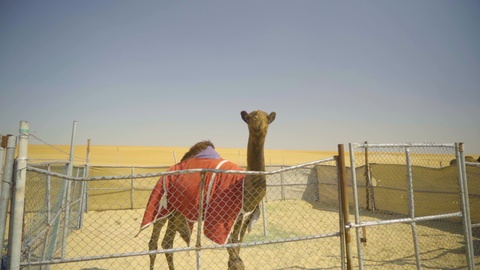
(258, 122)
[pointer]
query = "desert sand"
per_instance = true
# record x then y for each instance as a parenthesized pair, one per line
(161, 155)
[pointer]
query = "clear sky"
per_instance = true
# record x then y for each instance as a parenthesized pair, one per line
(171, 73)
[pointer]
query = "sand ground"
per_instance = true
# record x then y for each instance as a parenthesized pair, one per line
(388, 247)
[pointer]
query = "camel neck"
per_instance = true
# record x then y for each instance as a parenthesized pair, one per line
(255, 155)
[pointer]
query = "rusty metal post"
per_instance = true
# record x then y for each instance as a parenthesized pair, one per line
(368, 179)
(343, 193)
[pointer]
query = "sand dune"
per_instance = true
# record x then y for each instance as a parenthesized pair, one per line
(161, 155)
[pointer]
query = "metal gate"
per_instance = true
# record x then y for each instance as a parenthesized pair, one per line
(411, 206)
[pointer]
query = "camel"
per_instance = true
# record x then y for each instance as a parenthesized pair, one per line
(254, 190)
(196, 149)
(467, 159)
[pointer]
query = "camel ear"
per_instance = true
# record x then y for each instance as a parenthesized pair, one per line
(272, 117)
(244, 115)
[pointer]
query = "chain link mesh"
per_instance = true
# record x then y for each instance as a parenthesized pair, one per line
(46, 213)
(298, 227)
(295, 229)
(384, 195)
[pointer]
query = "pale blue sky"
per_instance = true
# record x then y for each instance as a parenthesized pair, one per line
(171, 73)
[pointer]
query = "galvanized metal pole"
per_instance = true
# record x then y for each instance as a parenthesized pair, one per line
(18, 202)
(356, 204)
(411, 207)
(198, 244)
(282, 186)
(132, 188)
(85, 186)
(47, 198)
(343, 183)
(6, 187)
(467, 223)
(67, 193)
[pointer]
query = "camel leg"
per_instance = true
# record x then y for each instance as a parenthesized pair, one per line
(245, 225)
(181, 225)
(167, 242)
(176, 223)
(234, 260)
(153, 244)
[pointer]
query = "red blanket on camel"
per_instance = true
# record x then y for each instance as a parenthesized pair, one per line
(222, 204)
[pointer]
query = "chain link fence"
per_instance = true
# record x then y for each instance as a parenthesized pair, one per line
(473, 176)
(295, 228)
(409, 207)
(406, 211)
(53, 209)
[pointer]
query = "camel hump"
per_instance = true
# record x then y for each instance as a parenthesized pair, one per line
(467, 159)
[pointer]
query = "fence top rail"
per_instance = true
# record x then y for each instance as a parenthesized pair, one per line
(161, 166)
(148, 175)
(475, 164)
(131, 166)
(385, 145)
(50, 162)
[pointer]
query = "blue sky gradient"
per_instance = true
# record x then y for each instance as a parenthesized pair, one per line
(171, 73)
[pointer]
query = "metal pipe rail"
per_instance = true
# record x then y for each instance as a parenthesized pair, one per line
(184, 249)
(149, 175)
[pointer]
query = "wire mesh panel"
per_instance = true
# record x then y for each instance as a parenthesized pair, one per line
(124, 193)
(296, 229)
(473, 174)
(47, 220)
(408, 207)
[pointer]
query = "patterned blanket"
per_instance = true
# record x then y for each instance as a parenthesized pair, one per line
(223, 194)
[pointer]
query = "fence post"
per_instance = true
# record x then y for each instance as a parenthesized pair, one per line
(132, 187)
(360, 238)
(467, 223)
(370, 198)
(67, 193)
(86, 174)
(9, 143)
(341, 220)
(411, 206)
(3, 145)
(343, 193)
(282, 186)
(18, 200)
(198, 244)
(47, 198)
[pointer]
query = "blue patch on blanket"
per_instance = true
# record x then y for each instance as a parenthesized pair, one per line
(209, 152)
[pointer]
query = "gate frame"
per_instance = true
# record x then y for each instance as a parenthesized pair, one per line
(464, 211)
